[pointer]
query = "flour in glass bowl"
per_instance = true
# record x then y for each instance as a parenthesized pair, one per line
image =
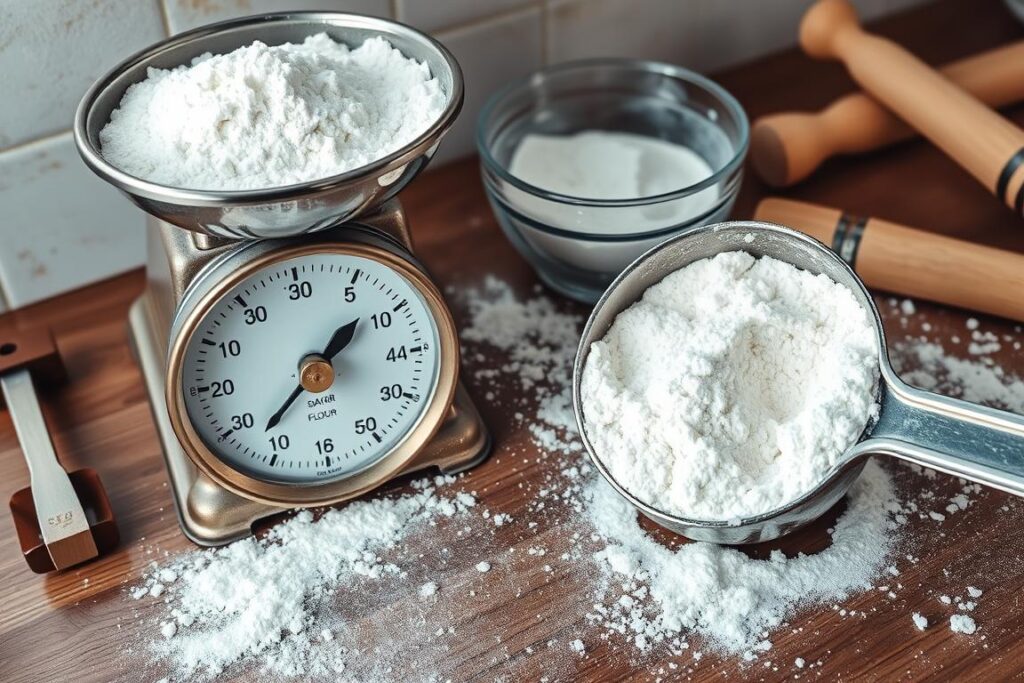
(609, 165)
(271, 115)
(731, 387)
(598, 164)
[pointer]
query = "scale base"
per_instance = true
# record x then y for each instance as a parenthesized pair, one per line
(209, 514)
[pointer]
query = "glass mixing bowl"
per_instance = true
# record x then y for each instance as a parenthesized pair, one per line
(577, 245)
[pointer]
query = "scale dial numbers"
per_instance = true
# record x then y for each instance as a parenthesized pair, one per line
(311, 369)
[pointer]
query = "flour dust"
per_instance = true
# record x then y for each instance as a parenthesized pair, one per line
(429, 582)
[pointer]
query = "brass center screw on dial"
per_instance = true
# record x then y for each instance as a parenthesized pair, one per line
(316, 374)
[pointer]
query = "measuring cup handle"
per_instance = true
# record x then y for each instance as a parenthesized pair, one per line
(977, 443)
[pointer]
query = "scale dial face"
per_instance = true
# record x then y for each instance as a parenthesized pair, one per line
(311, 369)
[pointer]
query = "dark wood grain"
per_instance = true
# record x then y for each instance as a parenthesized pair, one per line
(78, 625)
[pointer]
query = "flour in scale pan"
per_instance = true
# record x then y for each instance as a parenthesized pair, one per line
(268, 116)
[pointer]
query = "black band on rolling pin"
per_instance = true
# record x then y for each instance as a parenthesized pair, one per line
(846, 238)
(840, 233)
(1018, 204)
(1004, 178)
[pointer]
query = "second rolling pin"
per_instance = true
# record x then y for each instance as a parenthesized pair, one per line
(909, 261)
(787, 147)
(987, 145)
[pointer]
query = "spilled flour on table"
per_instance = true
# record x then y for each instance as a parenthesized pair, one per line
(260, 600)
(650, 594)
(541, 342)
(721, 593)
(928, 366)
(429, 584)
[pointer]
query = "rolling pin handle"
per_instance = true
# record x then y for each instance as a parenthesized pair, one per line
(909, 261)
(825, 26)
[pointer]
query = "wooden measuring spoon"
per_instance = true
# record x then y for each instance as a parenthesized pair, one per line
(787, 147)
(61, 519)
(909, 261)
(987, 145)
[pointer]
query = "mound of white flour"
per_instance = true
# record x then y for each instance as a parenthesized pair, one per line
(730, 387)
(266, 116)
(268, 601)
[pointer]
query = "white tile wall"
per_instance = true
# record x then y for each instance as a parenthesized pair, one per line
(186, 14)
(430, 15)
(700, 34)
(61, 227)
(490, 54)
(52, 50)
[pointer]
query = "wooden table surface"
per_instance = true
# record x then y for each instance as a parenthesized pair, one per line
(77, 625)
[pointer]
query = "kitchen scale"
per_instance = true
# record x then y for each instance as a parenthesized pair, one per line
(294, 350)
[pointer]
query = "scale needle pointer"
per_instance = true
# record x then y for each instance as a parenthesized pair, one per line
(339, 340)
(276, 417)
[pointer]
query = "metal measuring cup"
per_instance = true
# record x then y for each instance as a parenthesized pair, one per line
(977, 443)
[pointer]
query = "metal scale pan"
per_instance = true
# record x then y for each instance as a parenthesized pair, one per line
(281, 211)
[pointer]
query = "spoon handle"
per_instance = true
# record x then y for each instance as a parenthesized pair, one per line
(57, 506)
(964, 439)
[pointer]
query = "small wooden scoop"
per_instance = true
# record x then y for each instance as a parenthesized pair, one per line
(61, 520)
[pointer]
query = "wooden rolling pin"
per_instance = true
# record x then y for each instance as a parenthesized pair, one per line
(987, 145)
(787, 147)
(909, 261)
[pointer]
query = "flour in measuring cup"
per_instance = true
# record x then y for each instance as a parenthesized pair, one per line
(731, 387)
